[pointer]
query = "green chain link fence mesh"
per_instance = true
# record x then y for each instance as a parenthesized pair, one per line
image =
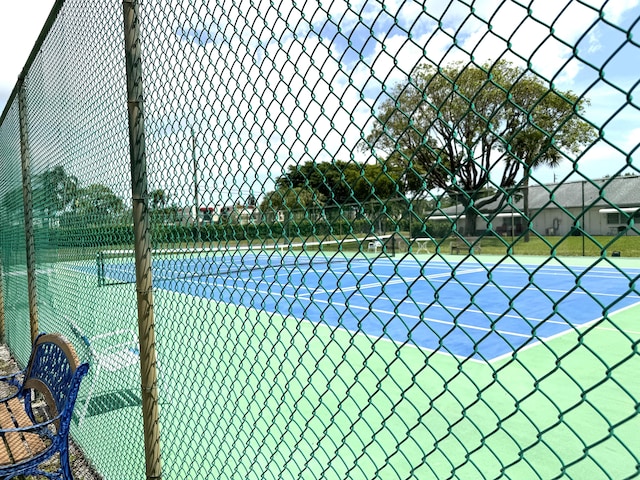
(390, 240)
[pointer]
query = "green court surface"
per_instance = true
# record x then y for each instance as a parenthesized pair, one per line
(246, 395)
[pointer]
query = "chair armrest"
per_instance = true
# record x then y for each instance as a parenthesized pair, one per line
(13, 380)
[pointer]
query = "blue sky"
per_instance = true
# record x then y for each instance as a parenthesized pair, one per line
(360, 48)
(326, 69)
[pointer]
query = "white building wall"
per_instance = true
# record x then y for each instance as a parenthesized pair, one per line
(558, 222)
(554, 221)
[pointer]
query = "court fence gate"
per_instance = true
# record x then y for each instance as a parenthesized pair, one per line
(333, 240)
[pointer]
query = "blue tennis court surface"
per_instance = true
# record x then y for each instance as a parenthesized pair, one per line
(466, 309)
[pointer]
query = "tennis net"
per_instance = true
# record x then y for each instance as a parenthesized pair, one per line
(116, 267)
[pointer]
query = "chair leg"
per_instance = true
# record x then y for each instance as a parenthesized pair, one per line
(65, 467)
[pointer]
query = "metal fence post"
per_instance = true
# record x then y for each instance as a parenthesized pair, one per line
(28, 211)
(142, 239)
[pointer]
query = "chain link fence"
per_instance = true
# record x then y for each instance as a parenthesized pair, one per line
(388, 240)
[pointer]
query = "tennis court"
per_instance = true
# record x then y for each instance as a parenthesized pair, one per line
(333, 398)
(459, 306)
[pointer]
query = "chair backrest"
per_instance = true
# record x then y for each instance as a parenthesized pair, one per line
(55, 372)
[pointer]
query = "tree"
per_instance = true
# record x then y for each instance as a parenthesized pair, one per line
(97, 204)
(158, 198)
(333, 182)
(339, 182)
(160, 210)
(52, 192)
(12, 204)
(468, 128)
(326, 189)
(290, 199)
(55, 188)
(552, 134)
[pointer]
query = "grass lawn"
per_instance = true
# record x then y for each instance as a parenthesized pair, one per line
(628, 246)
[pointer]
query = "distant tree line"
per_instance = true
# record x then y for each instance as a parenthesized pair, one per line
(466, 129)
(58, 198)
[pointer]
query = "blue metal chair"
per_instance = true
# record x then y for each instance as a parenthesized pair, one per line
(30, 435)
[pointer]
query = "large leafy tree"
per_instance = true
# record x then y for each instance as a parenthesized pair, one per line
(340, 182)
(290, 199)
(98, 204)
(53, 191)
(55, 188)
(468, 129)
(333, 185)
(330, 187)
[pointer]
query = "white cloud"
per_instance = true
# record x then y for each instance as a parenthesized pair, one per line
(281, 85)
(632, 143)
(614, 11)
(265, 85)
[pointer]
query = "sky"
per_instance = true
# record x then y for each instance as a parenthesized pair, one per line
(20, 25)
(327, 71)
(301, 86)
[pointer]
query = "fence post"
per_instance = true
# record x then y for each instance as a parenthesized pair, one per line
(142, 238)
(28, 210)
(3, 339)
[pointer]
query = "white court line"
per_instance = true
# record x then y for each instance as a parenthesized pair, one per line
(491, 315)
(578, 290)
(582, 326)
(403, 280)
(391, 313)
(537, 340)
(556, 270)
(450, 274)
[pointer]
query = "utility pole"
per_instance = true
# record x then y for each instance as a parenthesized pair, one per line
(195, 175)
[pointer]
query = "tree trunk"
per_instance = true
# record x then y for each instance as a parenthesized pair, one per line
(470, 222)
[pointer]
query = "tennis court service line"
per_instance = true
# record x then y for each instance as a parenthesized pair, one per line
(390, 314)
(575, 289)
(399, 281)
(399, 301)
(420, 318)
(530, 320)
(406, 281)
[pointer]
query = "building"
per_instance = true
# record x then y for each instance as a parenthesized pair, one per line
(598, 207)
(240, 214)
